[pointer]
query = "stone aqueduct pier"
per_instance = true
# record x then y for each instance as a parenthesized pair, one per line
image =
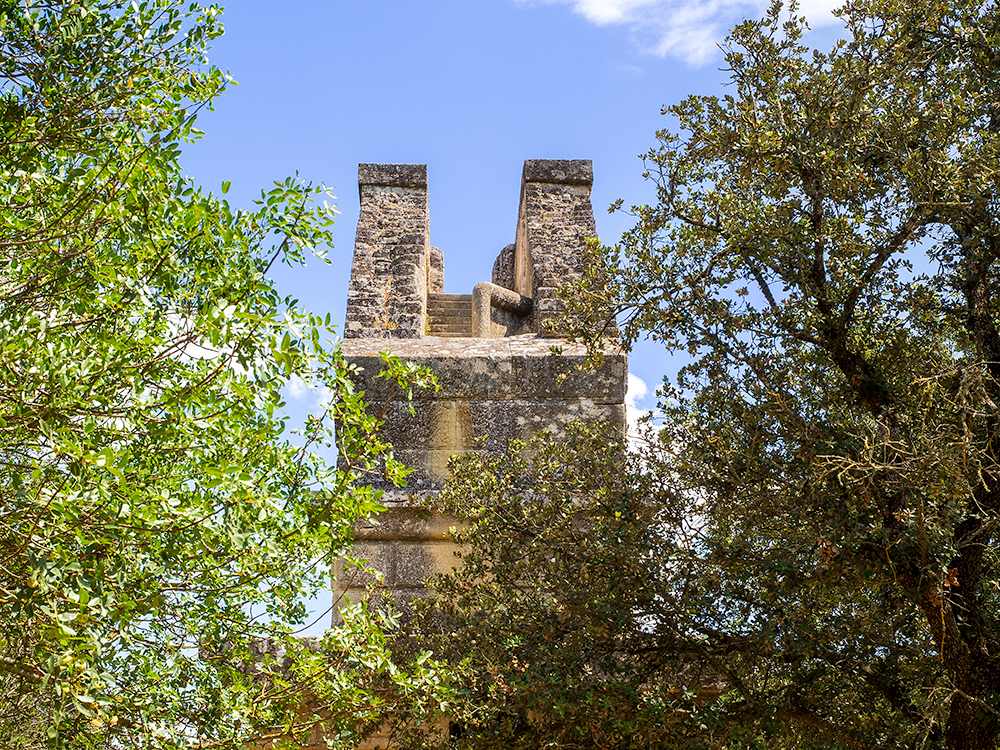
(498, 377)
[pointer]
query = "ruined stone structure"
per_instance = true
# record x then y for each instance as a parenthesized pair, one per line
(491, 351)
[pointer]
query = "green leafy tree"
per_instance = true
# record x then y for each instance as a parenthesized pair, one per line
(814, 529)
(159, 532)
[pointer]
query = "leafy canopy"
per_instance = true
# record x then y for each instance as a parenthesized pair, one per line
(159, 531)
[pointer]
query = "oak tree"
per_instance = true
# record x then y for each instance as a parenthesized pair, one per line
(813, 529)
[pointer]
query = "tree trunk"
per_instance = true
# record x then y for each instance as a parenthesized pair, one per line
(971, 724)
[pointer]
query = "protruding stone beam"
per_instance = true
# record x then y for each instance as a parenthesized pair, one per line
(554, 222)
(387, 297)
(499, 312)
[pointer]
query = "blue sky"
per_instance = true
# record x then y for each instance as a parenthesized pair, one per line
(469, 87)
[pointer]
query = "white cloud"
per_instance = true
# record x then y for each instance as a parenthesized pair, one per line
(324, 399)
(635, 391)
(609, 11)
(688, 29)
(298, 388)
(320, 395)
(820, 12)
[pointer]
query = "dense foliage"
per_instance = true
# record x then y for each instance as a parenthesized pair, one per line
(156, 524)
(814, 530)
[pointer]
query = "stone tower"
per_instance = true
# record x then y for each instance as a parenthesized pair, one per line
(490, 350)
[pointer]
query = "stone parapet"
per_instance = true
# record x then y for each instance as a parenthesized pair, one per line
(387, 296)
(559, 171)
(555, 220)
(392, 175)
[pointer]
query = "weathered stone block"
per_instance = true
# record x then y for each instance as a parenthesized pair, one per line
(393, 175)
(458, 426)
(567, 171)
(415, 562)
(495, 424)
(503, 268)
(378, 556)
(492, 369)
(430, 467)
(558, 376)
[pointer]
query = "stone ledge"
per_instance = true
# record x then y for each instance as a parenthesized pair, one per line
(514, 367)
(404, 522)
(559, 171)
(393, 175)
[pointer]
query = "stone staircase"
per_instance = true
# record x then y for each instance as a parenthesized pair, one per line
(449, 315)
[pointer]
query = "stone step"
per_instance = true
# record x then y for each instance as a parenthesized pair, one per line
(450, 315)
(457, 330)
(450, 318)
(452, 321)
(463, 328)
(450, 310)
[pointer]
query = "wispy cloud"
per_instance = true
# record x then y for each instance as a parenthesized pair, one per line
(624, 69)
(300, 390)
(635, 392)
(688, 29)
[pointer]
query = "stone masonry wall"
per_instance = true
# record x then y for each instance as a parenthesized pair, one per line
(435, 272)
(387, 297)
(503, 268)
(491, 391)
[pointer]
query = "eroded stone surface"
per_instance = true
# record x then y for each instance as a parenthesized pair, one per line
(393, 175)
(387, 297)
(435, 272)
(503, 268)
(559, 171)
(555, 221)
